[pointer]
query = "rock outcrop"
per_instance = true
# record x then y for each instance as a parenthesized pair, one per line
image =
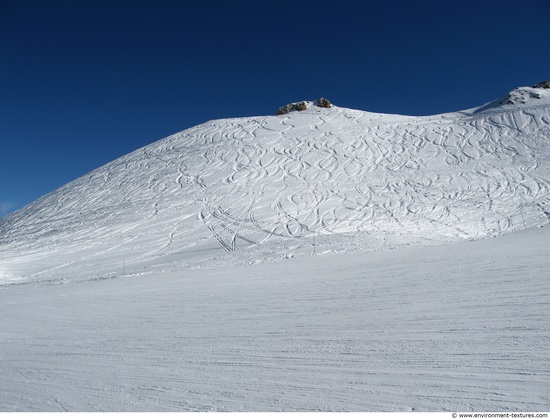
(524, 94)
(545, 84)
(323, 103)
(303, 105)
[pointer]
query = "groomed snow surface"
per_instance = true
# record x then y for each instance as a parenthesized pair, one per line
(329, 259)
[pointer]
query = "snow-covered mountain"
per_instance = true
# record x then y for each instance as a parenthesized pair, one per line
(107, 303)
(247, 190)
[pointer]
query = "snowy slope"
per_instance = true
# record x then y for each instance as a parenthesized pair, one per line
(456, 327)
(262, 188)
(129, 289)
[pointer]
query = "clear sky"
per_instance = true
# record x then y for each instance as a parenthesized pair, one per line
(85, 82)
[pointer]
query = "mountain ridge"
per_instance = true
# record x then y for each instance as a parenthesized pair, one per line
(245, 190)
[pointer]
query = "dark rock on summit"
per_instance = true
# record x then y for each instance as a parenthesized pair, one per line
(323, 103)
(303, 105)
(542, 85)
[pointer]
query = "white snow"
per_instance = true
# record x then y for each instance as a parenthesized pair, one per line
(417, 280)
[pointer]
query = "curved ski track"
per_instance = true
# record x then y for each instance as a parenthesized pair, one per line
(270, 185)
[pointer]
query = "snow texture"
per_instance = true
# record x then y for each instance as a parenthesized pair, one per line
(418, 279)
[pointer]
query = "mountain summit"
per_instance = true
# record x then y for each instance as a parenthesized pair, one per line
(326, 179)
(522, 96)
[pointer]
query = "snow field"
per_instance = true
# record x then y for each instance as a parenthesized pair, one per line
(264, 188)
(455, 327)
(324, 260)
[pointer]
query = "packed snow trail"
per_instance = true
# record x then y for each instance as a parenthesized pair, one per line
(261, 188)
(456, 327)
(125, 290)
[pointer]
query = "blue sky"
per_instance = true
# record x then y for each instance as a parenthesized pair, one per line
(85, 82)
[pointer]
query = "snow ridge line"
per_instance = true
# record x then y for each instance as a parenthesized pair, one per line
(328, 172)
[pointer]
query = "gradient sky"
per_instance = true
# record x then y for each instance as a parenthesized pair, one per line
(85, 82)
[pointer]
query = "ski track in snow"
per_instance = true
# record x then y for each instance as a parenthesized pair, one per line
(243, 185)
(130, 288)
